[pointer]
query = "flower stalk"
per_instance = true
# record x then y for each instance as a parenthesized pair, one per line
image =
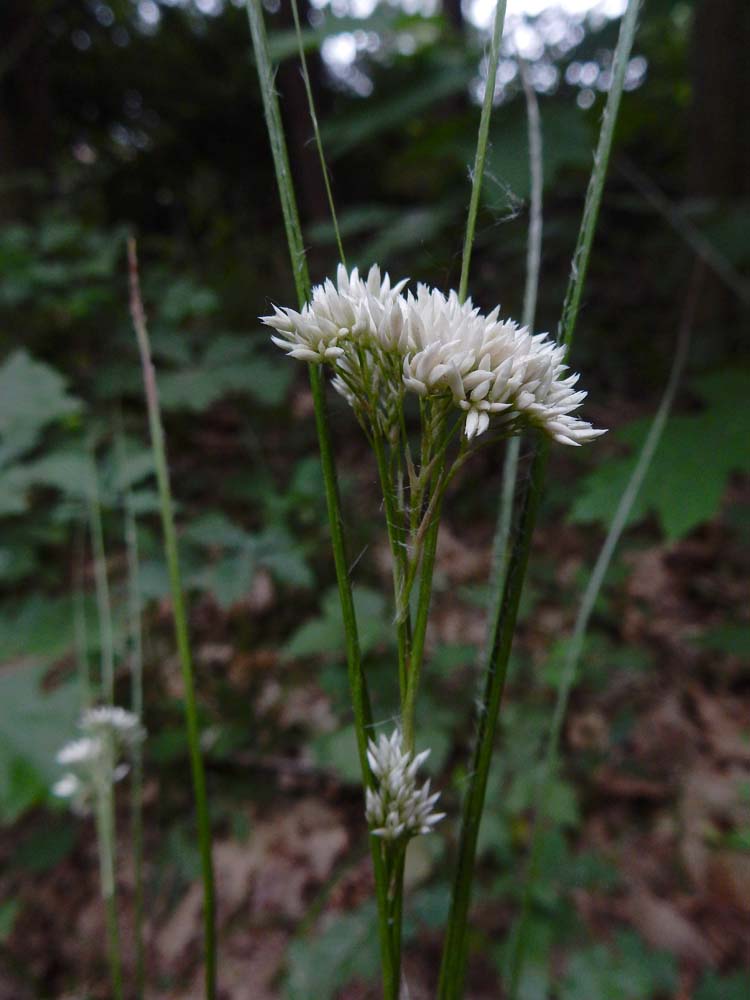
(453, 968)
(179, 614)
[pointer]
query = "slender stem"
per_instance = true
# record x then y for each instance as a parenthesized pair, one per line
(103, 601)
(533, 264)
(136, 705)
(395, 538)
(482, 142)
(582, 252)
(575, 645)
(357, 681)
(420, 628)
(158, 446)
(105, 832)
(453, 967)
(316, 130)
(79, 616)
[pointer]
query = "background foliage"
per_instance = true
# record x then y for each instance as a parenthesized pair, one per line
(127, 116)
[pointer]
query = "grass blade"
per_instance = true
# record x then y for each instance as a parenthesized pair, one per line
(101, 581)
(455, 948)
(316, 130)
(357, 682)
(588, 602)
(531, 290)
(158, 447)
(482, 142)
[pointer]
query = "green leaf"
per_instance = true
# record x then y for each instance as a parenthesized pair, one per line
(325, 635)
(33, 726)
(319, 966)
(32, 395)
(716, 987)
(696, 455)
(629, 972)
(338, 751)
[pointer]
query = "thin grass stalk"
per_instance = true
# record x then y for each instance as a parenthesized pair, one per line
(105, 832)
(179, 613)
(482, 142)
(79, 616)
(101, 581)
(531, 291)
(357, 682)
(577, 639)
(582, 252)
(420, 628)
(136, 706)
(453, 966)
(316, 131)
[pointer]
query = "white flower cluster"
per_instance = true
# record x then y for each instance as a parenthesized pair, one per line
(381, 342)
(94, 760)
(397, 807)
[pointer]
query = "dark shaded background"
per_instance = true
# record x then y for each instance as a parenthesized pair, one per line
(146, 117)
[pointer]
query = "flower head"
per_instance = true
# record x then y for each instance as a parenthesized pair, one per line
(397, 807)
(115, 722)
(382, 343)
(94, 759)
(85, 750)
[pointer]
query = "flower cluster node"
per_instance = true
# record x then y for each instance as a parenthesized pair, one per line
(382, 343)
(94, 760)
(397, 807)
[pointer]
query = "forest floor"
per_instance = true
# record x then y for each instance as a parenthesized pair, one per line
(659, 759)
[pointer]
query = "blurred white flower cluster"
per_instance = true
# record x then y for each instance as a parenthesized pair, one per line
(95, 760)
(381, 342)
(397, 807)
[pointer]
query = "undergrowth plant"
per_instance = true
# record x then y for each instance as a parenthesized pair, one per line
(431, 381)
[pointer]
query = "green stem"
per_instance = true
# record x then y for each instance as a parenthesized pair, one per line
(482, 142)
(575, 645)
(103, 601)
(357, 682)
(136, 705)
(455, 950)
(582, 252)
(420, 628)
(453, 968)
(79, 616)
(180, 621)
(316, 130)
(398, 552)
(533, 263)
(105, 830)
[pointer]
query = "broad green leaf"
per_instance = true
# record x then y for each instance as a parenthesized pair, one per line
(33, 726)
(325, 635)
(628, 972)
(696, 455)
(338, 751)
(320, 966)
(32, 395)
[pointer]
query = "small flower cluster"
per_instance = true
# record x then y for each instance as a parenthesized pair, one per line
(382, 343)
(94, 760)
(397, 807)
